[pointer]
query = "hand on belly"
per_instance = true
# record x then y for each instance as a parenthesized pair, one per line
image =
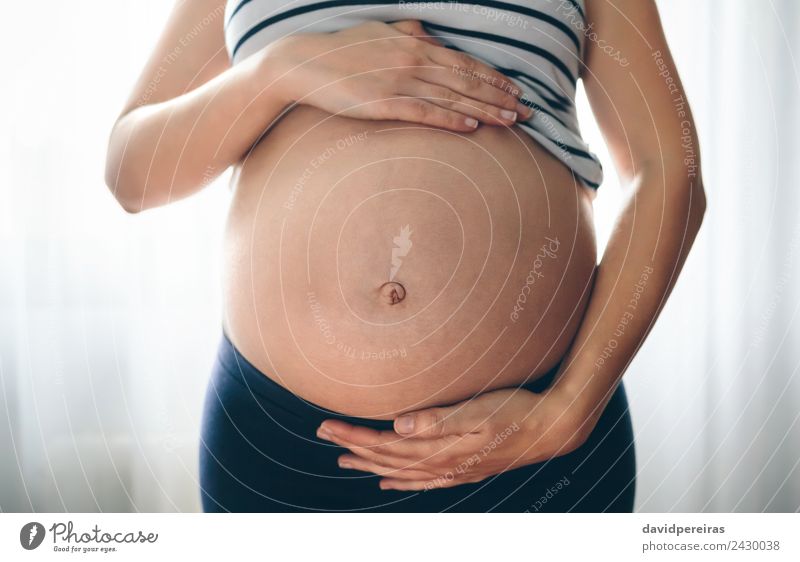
(379, 267)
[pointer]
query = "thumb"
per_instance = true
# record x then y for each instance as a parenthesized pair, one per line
(415, 29)
(434, 422)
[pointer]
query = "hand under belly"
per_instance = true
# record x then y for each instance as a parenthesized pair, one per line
(375, 268)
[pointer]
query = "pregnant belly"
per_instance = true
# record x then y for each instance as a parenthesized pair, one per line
(377, 267)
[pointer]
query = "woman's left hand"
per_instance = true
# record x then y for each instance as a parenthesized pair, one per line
(467, 442)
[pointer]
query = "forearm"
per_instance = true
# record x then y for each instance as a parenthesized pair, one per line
(643, 258)
(165, 151)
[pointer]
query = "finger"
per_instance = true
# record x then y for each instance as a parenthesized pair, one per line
(420, 111)
(389, 443)
(352, 462)
(449, 99)
(370, 455)
(463, 65)
(389, 458)
(462, 73)
(438, 423)
(414, 28)
(358, 434)
(473, 88)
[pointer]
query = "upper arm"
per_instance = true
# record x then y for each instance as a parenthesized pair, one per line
(634, 90)
(189, 52)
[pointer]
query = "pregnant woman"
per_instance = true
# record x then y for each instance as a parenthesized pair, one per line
(414, 314)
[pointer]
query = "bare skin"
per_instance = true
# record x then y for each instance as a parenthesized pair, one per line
(492, 218)
(646, 121)
(319, 198)
(205, 116)
(189, 119)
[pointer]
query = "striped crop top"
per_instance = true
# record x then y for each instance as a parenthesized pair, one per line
(538, 43)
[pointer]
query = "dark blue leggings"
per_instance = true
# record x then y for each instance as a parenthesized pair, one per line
(259, 453)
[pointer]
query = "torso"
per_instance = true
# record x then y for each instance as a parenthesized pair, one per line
(488, 235)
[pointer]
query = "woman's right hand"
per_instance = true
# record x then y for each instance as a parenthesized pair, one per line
(393, 71)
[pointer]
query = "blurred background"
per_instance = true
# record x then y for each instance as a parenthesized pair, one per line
(109, 322)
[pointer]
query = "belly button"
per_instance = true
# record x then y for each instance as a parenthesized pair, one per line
(392, 293)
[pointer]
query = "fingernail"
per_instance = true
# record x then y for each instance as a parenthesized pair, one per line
(524, 109)
(471, 122)
(323, 434)
(345, 464)
(508, 114)
(405, 424)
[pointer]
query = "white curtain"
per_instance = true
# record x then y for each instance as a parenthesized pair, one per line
(109, 322)
(715, 391)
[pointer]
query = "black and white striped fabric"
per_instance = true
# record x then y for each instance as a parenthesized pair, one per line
(538, 43)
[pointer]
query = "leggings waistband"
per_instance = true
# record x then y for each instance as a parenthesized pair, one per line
(303, 411)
